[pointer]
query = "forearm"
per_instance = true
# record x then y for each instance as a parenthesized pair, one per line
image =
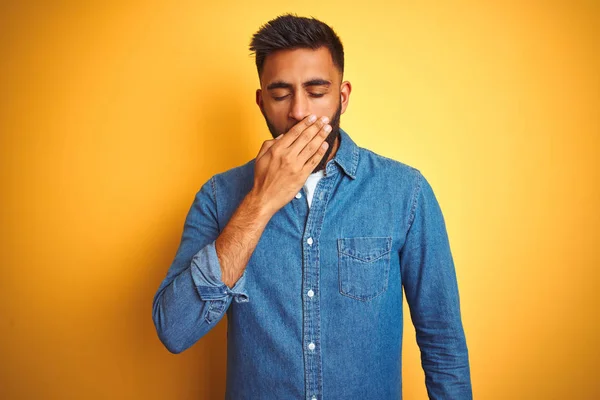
(239, 238)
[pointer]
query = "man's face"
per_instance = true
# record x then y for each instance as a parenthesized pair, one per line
(300, 82)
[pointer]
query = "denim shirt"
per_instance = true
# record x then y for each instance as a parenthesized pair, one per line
(317, 313)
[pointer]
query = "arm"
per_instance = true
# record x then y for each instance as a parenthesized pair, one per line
(194, 296)
(431, 289)
(208, 269)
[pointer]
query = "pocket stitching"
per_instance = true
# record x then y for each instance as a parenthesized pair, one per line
(365, 260)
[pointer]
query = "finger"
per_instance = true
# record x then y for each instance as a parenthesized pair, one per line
(310, 165)
(296, 130)
(313, 146)
(306, 136)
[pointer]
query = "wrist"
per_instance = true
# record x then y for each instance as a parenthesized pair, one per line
(258, 206)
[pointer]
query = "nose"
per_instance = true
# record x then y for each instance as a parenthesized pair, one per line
(299, 107)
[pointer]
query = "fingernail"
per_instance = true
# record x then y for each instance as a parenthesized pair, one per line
(279, 137)
(312, 118)
(325, 120)
(327, 128)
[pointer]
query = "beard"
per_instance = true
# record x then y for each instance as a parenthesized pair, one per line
(330, 139)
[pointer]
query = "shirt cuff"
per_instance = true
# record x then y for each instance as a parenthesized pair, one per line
(206, 274)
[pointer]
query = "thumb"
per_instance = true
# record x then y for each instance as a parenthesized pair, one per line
(265, 146)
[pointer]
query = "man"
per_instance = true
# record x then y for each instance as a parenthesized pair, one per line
(307, 248)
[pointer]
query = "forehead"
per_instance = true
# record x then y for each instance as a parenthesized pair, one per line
(298, 65)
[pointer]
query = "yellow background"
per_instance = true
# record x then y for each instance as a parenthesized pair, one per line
(112, 115)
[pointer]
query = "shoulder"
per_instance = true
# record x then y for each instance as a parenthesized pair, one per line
(237, 174)
(378, 165)
(235, 179)
(230, 186)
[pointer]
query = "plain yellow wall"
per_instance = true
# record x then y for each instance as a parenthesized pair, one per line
(113, 114)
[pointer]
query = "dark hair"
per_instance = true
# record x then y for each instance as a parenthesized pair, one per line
(288, 32)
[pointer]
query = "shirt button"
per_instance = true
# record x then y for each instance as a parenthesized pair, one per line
(313, 398)
(298, 195)
(310, 293)
(311, 346)
(309, 241)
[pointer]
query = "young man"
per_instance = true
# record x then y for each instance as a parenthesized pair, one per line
(307, 248)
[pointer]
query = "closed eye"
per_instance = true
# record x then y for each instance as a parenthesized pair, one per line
(281, 98)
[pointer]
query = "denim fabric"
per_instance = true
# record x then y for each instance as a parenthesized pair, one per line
(318, 311)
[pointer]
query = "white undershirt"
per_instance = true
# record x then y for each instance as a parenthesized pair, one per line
(311, 184)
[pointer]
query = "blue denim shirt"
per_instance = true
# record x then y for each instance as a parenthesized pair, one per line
(317, 314)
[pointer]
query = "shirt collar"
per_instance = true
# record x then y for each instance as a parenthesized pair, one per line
(346, 156)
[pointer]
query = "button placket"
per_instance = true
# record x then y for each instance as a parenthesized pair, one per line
(311, 316)
(313, 369)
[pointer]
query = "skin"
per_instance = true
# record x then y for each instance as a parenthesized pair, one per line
(301, 91)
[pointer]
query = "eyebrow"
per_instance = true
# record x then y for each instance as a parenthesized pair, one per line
(287, 85)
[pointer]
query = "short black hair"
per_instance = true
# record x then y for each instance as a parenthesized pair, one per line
(289, 31)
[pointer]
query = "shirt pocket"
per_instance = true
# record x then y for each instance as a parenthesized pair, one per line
(364, 266)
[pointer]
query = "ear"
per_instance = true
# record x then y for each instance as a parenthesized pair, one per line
(259, 100)
(345, 90)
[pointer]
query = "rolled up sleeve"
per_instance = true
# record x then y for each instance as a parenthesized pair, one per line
(206, 273)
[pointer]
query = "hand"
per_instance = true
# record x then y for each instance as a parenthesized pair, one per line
(283, 164)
